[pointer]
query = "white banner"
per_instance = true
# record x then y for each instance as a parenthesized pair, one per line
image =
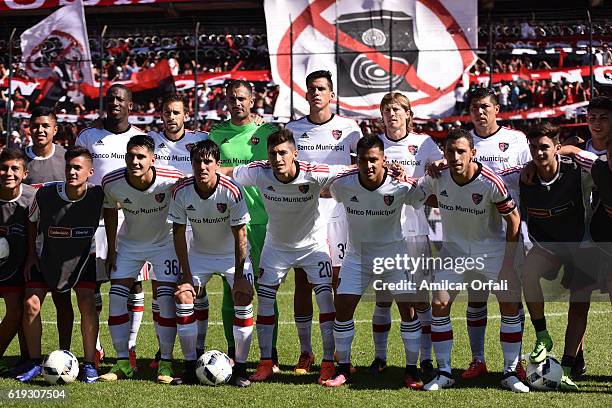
(429, 42)
(58, 45)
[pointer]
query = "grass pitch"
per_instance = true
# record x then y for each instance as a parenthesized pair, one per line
(287, 389)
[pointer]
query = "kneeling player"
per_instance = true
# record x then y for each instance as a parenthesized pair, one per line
(374, 202)
(66, 214)
(144, 192)
(15, 200)
(472, 201)
(215, 207)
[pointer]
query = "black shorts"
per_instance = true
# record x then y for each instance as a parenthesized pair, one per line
(87, 280)
(14, 284)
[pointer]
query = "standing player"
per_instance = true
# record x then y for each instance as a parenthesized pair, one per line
(322, 137)
(216, 209)
(472, 201)
(374, 205)
(242, 141)
(599, 119)
(66, 215)
(46, 163)
(15, 200)
(143, 191)
(107, 147)
(414, 152)
(291, 190)
(498, 148)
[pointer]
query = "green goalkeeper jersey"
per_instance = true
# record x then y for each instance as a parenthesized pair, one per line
(243, 145)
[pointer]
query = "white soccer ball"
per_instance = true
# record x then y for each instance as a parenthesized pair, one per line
(5, 249)
(545, 376)
(60, 367)
(214, 368)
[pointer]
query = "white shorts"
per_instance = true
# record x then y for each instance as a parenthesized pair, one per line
(419, 248)
(337, 235)
(480, 267)
(163, 260)
(203, 267)
(356, 278)
(275, 264)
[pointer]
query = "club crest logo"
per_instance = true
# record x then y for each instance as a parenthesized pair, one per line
(476, 198)
(254, 141)
(388, 199)
(304, 188)
(336, 134)
(160, 197)
(413, 149)
(189, 146)
(503, 146)
(221, 207)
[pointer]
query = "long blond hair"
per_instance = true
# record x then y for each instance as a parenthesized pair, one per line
(401, 100)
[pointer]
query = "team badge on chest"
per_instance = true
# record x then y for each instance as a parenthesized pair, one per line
(388, 199)
(337, 134)
(254, 141)
(476, 198)
(221, 207)
(304, 188)
(160, 197)
(503, 146)
(413, 149)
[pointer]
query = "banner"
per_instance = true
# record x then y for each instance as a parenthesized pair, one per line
(43, 4)
(418, 47)
(602, 73)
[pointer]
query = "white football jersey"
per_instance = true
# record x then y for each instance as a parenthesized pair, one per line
(503, 149)
(175, 154)
(211, 218)
(413, 152)
(294, 220)
(471, 213)
(602, 154)
(331, 142)
(107, 149)
(374, 216)
(145, 212)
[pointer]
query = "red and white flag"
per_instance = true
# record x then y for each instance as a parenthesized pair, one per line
(418, 47)
(58, 46)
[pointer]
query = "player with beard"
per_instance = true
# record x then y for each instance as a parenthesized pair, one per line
(108, 147)
(242, 140)
(322, 137)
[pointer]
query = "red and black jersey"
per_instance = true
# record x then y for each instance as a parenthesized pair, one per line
(601, 223)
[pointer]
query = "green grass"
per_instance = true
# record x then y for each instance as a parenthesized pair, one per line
(287, 389)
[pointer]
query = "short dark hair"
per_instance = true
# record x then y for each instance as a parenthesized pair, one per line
(279, 137)
(237, 83)
(369, 142)
(320, 74)
(481, 93)
(600, 102)
(544, 129)
(458, 133)
(39, 111)
(10, 153)
(205, 148)
(78, 151)
(142, 141)
(127, 90)
(174, 98)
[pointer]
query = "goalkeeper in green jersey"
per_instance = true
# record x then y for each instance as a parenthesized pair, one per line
(242, 141)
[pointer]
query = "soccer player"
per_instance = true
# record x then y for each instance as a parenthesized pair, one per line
(107, 147)
(46, 163)
(291, 190)
(499, 148)
(472, 201)
(15, 200)
(599, 120)
(66, 215)
(217, 211)
(241, 141)
(414, 152)
(322, 137)
(374, 206)
(555, 214)
(143, 191)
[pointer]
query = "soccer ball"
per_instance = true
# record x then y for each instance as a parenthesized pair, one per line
(214, 368)
(60, 367)
(545, 376)
(4, 248)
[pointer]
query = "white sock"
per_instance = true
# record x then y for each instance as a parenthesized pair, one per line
(381, 325)
(119, 319)
(510, 337)
(442, 340)
(327, 314)
(243, 331)
(136, 310)
(166, 321)
(201, 314)
(266, 296)
(425, 319)
(187, 329)
(411, 336)
(344, 332)
(304, 331)
(477, 328)
(98, 300)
